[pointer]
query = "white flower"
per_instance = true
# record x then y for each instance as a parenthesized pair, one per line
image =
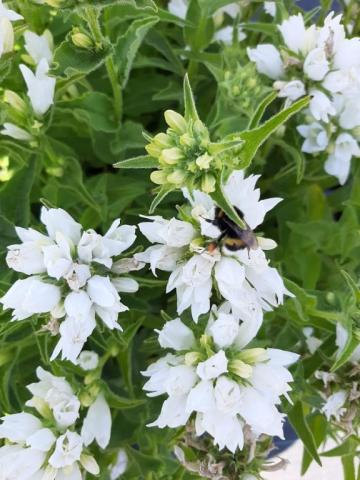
(56, 220)
(119, 238)
(19, 427)
(312, 342)
(88, 360)
(270, 8)
(176, 335)
(226, 34)
(316, 65)
(106, 300)
(39, 46)
(347, 54)
(30, 296)
(180, 380)
(213, 367)
(92, 428)
(28, 257)
(119, 467)
(350, 114)
(339, 162)
(334, 406)
(6, 36)
(178, 8)
(341, 341)
(226, 429)
(18, 463)
(41, 87)
(332, 34)
(296, 37)
(68, 450)
(11, 130)
(321, 106)
(227, 395)
(58, 257)
(224, 330)
(9, 14)
(268, 60)
(316, 138)
(158, 373)
(291, 90)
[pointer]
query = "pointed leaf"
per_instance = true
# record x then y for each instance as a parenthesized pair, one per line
(259, 112)
(256, 137)
(143, 161)
(189, 102)
(301, 427)
(163, 192)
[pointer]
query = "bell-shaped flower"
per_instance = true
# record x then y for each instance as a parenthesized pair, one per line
(19, 427)
(39, 46)
(68, 450)
(316, 64)
(6, 36)
(268, 60)
(224, 329)
(213, 367)
(19, 463)
(88, 360)
(13, 131)
(321, 106)
(292, 90)
(57, 220)
(176, 335)
(334, 405)
(30, 296)
(316, 137)
(296, 36)
(339, 162)
(41, 87)
(27, 257)
(92, 428)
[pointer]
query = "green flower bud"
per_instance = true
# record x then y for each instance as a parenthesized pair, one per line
(153, 150)
(253, 355)
(15, 101)
(171, 156)
(158, 177)
(175, 121)
(162, 140)
(208, 183)
(187, 140)
(204, 161)
(81, 40)
(178, 177)
(200, 130)
(240, 368)
(191, 358)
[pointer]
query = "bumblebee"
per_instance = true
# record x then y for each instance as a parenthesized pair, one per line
(232, 236)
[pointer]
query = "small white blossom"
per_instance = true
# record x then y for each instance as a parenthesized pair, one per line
(291, 90)
(321, 106)
(41, 87)
(268, 60)
(119, 466)
(92, 428)
(334, 405)
(316, 138)
(11, 130)
(339, 161)
(176, 335)
(88, 360)
(39, 46)
(316, 65)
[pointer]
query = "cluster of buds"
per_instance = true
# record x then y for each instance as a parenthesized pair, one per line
(185, 155)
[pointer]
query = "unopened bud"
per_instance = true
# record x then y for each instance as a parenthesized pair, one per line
(153, 150)
(240, 368)
(187, 140)
(14, 100)
(90, 464)
(7, 35)
(159, 177)
(208, 183)
(191, 358)
(81, 40)
(162, 140)
(171, 156)
(178, 177)
(175, 121)
(253, 355)
(204, 161)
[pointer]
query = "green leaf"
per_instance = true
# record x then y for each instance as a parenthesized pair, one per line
(117, 402)
(297, 155)
(318, 426)
(143, 161)
(189, 102)
(128, 44)
(223, 202)
(353, 287)
(199, 29)
(269, 29)
(256, 137)
(298, 421)
(348, 467)
(349, 447)
(163, 192)
(70, 60)
(350, 346)
(259, 112)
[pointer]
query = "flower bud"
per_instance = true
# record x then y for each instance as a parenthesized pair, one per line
(204, 161)
(178, 177)
(15, 101)
(208, 183)
(191, 358)
(153, 150)
(7, 34)
(81, 40)
(171, 156)
(187, 140)
(90, 464)
(200, 130)
(240, 368)
(158, 177)
(162, 140)
(253, 355)
(175, 121)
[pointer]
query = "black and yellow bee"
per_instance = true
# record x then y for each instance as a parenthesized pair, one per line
(232, 236)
